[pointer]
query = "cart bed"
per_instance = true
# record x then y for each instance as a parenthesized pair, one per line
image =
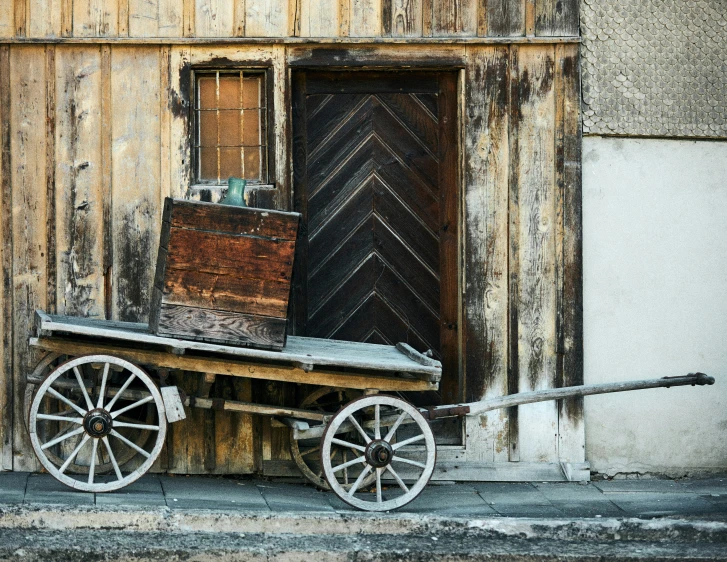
(308, 354)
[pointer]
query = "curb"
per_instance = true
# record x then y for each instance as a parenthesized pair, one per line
(82, 518)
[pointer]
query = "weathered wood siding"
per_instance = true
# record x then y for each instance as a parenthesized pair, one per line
(94, 136)
(45, 19)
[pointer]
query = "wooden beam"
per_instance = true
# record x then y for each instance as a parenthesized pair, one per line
(250, 370)
(6, 251)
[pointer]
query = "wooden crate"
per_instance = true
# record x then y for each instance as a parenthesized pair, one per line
(223, 274)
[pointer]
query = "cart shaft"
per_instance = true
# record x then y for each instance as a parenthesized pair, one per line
(474, 408)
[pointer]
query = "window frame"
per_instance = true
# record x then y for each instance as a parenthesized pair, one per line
(224, 67)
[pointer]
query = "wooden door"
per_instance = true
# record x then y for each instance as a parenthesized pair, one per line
(375, 177)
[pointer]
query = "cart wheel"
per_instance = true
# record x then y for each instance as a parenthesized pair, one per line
(306, 452)
(87, 412)
(393, 442)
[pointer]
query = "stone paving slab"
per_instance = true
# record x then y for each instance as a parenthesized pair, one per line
(44, 489)
(211, 493)
(641, 485)
(12, 487)
(146, 491)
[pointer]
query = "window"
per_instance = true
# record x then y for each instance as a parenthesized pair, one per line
(230, 127)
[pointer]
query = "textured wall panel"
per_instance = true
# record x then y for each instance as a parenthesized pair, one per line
(655, 67)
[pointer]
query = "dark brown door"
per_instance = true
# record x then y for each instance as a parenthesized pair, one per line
(375, 166)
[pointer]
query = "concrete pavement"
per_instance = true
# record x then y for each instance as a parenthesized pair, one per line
(205, 518)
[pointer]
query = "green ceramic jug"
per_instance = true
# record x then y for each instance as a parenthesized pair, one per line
(235, 192)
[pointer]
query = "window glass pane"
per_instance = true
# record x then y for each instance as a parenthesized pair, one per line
(208, 164)
(230, 163)
(207, 91)
(252, 91)
(230, 92)
(252, 162)
(208, 128)
(230, 127)
(251, 127)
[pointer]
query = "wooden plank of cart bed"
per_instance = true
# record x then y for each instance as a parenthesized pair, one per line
(236, 368)
(306, 351)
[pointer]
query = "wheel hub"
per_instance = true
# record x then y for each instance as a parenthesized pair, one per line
(98, 423)
(379, 453)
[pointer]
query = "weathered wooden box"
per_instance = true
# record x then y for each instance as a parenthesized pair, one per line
(223, 274)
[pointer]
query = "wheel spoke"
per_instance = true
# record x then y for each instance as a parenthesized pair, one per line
(120, 392)
(394, 427)
(345, 470)
(58, 418)
(112, 458)
(105, 376)
(132, 406)
(365, 435)
(347, 444)
(378, 486)
(62, 398)
(136, 425)
(360, 479)
(397, 478)
(72, 456)
(408, 461)
(377, 421)
(130, 443)
(357, 460)
(92, 468)
(409, 441)
(311, 450)
(61, 438)
(82, 384)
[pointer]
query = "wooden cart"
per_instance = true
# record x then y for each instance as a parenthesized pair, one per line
(99, 404)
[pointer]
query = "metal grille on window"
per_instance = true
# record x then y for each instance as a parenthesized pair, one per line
(230, 113)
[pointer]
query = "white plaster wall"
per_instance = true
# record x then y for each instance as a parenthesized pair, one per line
(655, 302)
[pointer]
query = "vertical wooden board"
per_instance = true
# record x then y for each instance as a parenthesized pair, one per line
(454, 18)
(28, 157)
(556, 18)
(7, 20)
(6, 259)
(144, 18)
(319, 18)
(50, 175)
(135, 153)
(44, 18)
(365, 18)
(165, 123)
(402, 18)
(95, 18)
(485, 338)
(234, 435)
(106, 142)
(186, 440)
(155, 18)
(79, 198)
(178, 100)
(568, 174)
(504, 18)
(536, 294)
(214, 18)
(281, 127)
(267, 18)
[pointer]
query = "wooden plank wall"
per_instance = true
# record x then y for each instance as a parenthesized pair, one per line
(287, 18)
(94, 136)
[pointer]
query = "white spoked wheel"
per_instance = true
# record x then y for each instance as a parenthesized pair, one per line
(393, 441)
(88, 414)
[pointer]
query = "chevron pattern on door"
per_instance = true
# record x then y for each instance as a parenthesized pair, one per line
(373, 211)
